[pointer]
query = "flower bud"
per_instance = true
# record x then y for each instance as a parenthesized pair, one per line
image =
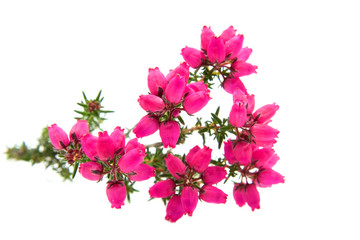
(116, 193)
(91, 170)
(201, 159)
(156, 81)
(189, 199)
(58, 137)
(268, 177)
(118, 138)
(146, 126)
(233, 46)
(151, 103)
(191, 154)
(206, 35)
(80, 129)
(261, 156)
(175, 89)
(169, 133)
(174, 209)
(88, 144)
(264, 133)
(243, 153)
(212, 194)
(244, 54)
(266, 113)
(162, 189)
(105, 147)
(213, 175)
(175, 166)
(194, 102)
(182, 70)
(228, 34)
(232, 83)
(229, 152)
(216, 50)
(238, 116)
(243, 68)
(131, 160)
(192, 56)
(142, 172)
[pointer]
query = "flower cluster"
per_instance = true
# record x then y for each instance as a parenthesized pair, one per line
(181, 181)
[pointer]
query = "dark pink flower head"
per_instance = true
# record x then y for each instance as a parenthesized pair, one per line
(151, 103)
(216, 50)
(118, 138)
(196, 101)
(148, 125)
(131, 160)
(156, 81)
(243, 152)
(199, 159)
(206, 35)
(189, 199)
(88, 143)
(228, 34)
(243, 68)
(247, 193)
(182, 70)
(105, 147)
(142, 172)
(91, 170)
(80, 129)
(265, 113)
(174, 209)
(264, 135)
(175, 166)
(162, 189)
(193, 57)
(116, 193)
(233, 46)
(169, 133)
(213, 175)
(238, 113)
(228, 152)
(268, 177)
(212, 194)
(175, 89)
(58, 137)
(230, 84)
(264, 158)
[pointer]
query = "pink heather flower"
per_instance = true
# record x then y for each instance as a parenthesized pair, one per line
(238, 116)
(213, 175)
(250, 103)
(243, 152)
(212, 194)
(146, 126)
(196, 87)
(105, 147)
(264, 157)
(192, 56)
(142, 172)
(88, 144)
(247, 194)
(206, 35)
(228, 34)
(118, 138)
(169, 133)
(196, 101)
(176, 113)
(182, 70)
(175, 166)
(91, 170)
(231, 84)
(191, 153)
(156, 81)
(58, 137)
(266, 113)
(201, 159)
(131, 160)
(132, 144)
(175, 89)
(80, 129)
(233, 46)
(264, 134)
(174, 209)
(229, 152)
(189, 199)
(244, 54)
(243, 68)
(216, 50)
(162, 189)
(268, 177)
(151, 103)
(116, 193)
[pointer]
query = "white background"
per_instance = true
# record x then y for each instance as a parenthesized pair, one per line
(308, 58)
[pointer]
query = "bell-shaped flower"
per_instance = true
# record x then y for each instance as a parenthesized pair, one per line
(175, 166)
(156, 81)
(189, 199)
(200, 160)
(247, 194)
(175, 89)
(196, 101)
(212, 194)
(268, 177)
(58, 137)
(233, 46)
(131, 160)
(116, 193)
(132, 144)
(146, 126)
(80, 129)
(244, 54)
(169, 133)
(266, 113)
(264, 135)
(216, 50)
(174, 209)
(193, 56)
(213, 175)
(229, 152)
(243, 152)
(230, 84)
(105, 147)
(182, 70)
(238, 116)
(88, 144)
(250, 103)
(206, 35)
(118, 138)
(264, 157)
(196, 87)
(191, 153)
(91, 170)
(243, 68)
(142, 172)
(228, 34)
(162, 189)
(151, 103)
